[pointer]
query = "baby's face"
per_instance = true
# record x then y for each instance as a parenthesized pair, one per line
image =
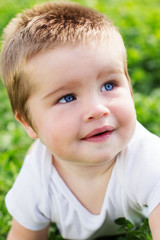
(82, 109)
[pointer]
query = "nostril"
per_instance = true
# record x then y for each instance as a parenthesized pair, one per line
(98, 116)
(97, 113)
(90, 118)
(105, 114)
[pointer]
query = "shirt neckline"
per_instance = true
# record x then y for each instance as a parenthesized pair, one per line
(62, 186)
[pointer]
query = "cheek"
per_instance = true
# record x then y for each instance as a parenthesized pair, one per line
(126, 119)
(125, 111)
(59, 131)
(59, 141)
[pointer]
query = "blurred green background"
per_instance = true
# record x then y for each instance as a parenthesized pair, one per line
(139, 24)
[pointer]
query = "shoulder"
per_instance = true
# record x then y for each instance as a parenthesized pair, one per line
(36, 169)
(143, 167)
(141, 134)
(26, 201)
(38, 161)
(142, 152)
(144, 146)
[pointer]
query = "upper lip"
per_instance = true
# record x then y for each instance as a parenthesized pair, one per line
(99, 131)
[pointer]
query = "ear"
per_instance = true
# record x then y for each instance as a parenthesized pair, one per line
(31, 133)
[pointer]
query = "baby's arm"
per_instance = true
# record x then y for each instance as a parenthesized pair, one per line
(18, 232)
(154, 222)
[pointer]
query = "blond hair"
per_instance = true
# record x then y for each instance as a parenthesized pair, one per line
(45, 27)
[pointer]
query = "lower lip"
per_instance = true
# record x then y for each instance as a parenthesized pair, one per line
(99, 138)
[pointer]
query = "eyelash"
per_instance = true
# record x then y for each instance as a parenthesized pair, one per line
(72, 96)
(68, 95)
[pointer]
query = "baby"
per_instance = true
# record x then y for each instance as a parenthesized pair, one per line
(65, 70)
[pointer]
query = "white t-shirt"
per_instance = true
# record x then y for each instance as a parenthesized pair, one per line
(39, 195)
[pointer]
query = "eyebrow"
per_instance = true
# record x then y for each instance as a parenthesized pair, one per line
(65, 87)
(111, 71)
(69, 85)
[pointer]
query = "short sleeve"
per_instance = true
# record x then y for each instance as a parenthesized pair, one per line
(28, 200)
(144, 171)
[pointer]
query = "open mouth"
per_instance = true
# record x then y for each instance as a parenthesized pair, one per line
(101, 134)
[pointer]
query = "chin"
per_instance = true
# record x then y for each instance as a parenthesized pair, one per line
(102, 161)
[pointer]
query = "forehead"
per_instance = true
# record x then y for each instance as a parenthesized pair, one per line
(70, 66)
(65, 58)
(73, 65)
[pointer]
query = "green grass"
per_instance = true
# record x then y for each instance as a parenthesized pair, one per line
(139, 23)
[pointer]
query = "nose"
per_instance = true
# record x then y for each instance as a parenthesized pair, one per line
(95, 112)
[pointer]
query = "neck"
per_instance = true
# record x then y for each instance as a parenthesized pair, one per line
(82, 170)
(88, 183)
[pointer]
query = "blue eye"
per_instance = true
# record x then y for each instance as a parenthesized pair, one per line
(108, 87)
(67, 98)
